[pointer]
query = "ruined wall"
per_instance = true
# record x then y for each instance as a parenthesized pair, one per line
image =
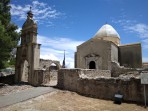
(95, 73)
(117, 70)
(130, 55)
(103, 88)
(47, 63)
(145, 65)
(41, 77)
(70, 77)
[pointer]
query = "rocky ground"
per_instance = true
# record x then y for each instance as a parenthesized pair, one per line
(7, 89)
(70, 101)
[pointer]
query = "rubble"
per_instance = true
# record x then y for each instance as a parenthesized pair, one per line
(7, 89)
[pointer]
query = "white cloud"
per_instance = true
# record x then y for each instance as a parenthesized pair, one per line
(123, 22)
(49, 56)
(59, 42)
(42, 12)
(145, 59)
(140, 29)
(18, 30)
(36, 3)
(54, 49)
(133, 26)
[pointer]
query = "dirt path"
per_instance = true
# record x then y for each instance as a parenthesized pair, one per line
(69, 101)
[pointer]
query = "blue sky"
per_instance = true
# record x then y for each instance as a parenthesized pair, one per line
(64, 24)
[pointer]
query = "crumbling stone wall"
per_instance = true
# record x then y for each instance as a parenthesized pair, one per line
(51, 70)
(47, 63)
(145, 65)
(117, 70)
(103, 88)
(96, 73)
(41, 77)
(70, 77)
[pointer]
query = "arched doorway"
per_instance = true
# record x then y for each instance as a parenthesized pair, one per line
(53, 66)
(53, 69)
(24, 71)
(92, 65)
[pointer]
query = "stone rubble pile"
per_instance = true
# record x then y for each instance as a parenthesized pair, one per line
(7, 89)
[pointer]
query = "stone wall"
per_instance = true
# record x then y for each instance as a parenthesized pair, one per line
(145, 65)
(95, 73)
(47, 63)
(103, 88)
(41, 77)
(130, 55)
(117, 70)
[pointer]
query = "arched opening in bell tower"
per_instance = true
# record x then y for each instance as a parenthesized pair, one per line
(92, 65)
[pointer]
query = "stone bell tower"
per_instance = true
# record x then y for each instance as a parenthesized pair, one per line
(28, 53)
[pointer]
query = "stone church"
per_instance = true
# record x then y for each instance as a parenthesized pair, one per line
(104, 49)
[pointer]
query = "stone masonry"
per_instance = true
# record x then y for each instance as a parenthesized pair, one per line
(103, 88)
(29, 67)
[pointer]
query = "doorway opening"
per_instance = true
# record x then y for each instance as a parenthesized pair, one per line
(92, 65)
(53, 69)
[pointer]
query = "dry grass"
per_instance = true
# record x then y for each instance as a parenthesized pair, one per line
(69, 101)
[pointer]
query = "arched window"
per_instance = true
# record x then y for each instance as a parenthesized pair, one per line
(92, 65)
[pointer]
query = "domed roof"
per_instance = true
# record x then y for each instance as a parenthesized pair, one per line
(106, 31)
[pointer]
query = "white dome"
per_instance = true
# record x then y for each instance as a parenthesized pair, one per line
(106, 31)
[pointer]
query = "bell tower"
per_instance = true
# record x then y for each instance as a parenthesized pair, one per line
(29, 30)
(28, 53)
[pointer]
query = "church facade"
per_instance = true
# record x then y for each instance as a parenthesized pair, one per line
(104, 49)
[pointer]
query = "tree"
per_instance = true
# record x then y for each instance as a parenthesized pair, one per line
(8, 35)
